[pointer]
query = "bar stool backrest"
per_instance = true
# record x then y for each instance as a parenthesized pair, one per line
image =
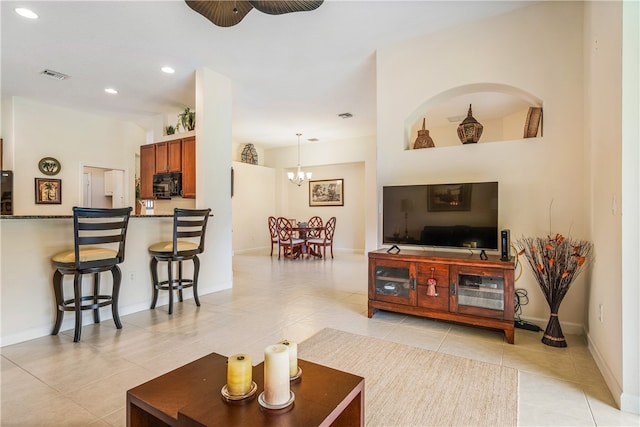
(190, 224)
(93, 227)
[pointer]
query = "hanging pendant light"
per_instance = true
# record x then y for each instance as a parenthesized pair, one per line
(300, 177)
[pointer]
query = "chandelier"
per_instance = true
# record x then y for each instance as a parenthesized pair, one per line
(300, 177)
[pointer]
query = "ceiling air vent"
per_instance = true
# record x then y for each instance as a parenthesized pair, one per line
(54, 75)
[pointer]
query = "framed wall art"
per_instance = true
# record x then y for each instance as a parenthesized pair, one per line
(49, 166)
(48, 191)
(449, 197)
(327, 192)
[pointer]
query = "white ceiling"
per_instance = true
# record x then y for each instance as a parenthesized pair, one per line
(290, 73)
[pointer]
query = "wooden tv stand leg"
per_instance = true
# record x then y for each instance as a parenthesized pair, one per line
(509, 335)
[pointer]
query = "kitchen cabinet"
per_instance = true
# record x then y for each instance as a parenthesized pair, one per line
(189, 167)
(169, 156)
(456, 287)
(177, 155)
(147, 169)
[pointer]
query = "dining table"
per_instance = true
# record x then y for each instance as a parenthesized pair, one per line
(303, 233)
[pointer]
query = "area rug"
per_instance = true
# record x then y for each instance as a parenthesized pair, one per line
(409, 386)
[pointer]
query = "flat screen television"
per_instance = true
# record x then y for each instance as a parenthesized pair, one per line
(458, 215)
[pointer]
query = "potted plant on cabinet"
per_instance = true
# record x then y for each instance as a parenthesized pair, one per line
(187, 119)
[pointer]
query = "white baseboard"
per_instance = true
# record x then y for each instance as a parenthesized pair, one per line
(626, 402)
(608, 376)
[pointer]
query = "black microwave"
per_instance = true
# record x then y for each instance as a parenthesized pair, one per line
(167, 185)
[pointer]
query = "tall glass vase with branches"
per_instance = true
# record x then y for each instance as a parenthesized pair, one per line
(556, 261)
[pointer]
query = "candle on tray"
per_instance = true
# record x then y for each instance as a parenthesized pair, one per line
(239, 374)
(293, 357)
(276, 374)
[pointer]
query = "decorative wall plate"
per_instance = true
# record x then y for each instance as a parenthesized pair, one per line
(49, 166)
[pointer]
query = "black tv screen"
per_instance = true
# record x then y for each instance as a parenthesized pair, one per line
(460, 215)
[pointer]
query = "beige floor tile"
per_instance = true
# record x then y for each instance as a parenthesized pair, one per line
(85, 383)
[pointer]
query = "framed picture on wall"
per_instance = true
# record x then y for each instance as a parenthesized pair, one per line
(48, 191)
(327, 192)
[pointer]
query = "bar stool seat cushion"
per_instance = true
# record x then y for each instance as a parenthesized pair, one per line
(168, 246)
(86, 254)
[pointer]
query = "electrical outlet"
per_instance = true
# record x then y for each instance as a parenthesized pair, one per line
(600, 313)
(132, 276)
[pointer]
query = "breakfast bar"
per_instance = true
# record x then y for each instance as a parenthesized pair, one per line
(29, 241)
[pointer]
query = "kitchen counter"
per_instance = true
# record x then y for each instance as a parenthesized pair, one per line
(71, 216)
(29, 241)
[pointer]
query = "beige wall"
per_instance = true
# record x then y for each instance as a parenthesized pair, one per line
(75, 139)
(355, 161)
(253, 201)
(567, 181)
(534, 174)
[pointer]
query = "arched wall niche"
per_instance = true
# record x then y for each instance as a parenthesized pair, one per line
(504, 111)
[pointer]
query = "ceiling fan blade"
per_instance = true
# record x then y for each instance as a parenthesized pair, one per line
(221, 12)
(278, 7)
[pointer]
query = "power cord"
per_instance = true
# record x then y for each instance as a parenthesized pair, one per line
(521, 298)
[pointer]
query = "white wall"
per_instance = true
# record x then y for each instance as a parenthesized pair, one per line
(532, 173)
(353, 160)
(603, 125)
(611, 115)
(253, 201)
(74, 138)
(350, 227)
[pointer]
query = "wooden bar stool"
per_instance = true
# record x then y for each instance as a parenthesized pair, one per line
(99, 241)
(189, 227)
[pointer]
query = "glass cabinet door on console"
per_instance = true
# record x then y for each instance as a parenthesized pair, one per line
(394, 281)
(478, 292)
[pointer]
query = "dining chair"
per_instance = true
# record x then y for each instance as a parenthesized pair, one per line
(273, 232)
(314, 225)
(326, 239)
(292, 246)
(99, 236)
(189, 228)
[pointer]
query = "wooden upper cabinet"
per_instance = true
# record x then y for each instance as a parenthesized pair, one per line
(177, 155)
(169, 156)
(174, 150)
(147, 169)
(189, 167)
(162, 157)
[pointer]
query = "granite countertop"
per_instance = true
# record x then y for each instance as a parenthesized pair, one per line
(71, 216)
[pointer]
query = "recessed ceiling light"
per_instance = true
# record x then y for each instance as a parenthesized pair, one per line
(111, 91)
(26, 13)
(168, 70)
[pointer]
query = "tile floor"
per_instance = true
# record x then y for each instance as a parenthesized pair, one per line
(51, 381)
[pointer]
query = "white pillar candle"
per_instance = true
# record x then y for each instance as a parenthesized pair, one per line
(276, 374)
(293, 357)
(239, 374)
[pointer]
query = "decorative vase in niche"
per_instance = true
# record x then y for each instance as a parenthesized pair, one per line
(249, 155)
(423, 140)
(469, 131)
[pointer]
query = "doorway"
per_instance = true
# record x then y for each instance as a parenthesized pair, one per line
(102, 187)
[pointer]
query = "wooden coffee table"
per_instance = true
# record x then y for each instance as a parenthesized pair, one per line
(190, 396)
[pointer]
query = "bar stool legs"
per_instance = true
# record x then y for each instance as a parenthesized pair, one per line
(75, 304)
(178, 284)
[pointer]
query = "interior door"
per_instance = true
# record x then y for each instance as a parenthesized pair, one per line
(86, 190)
